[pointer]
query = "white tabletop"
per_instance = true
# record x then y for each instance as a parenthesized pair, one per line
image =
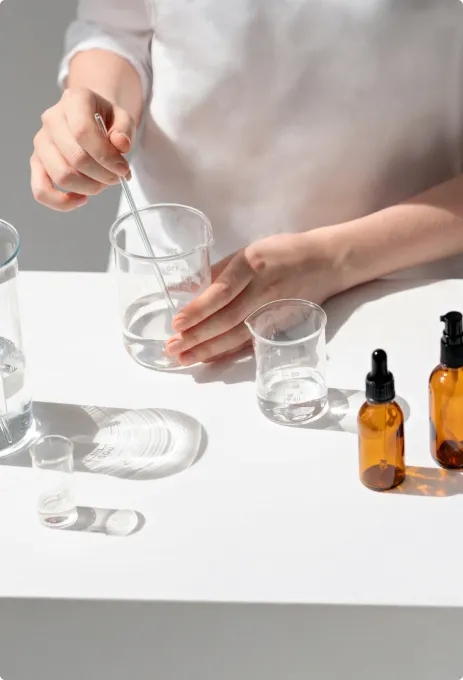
(268, 514)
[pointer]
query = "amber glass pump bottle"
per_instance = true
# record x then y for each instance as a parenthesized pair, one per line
(381, 429)
(446, 396)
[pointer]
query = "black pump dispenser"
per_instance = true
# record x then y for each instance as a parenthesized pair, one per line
(380, 381)
(451, 347)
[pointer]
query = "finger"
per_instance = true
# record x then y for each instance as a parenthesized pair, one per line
(218, 267)
(222, 321)
(45, 193)
(230, 283)
(121, 130)
(59, 132)
(232, 353)
(80, 116)
(59, 170)
(227, 342)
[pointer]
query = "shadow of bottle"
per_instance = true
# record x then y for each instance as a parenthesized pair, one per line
(428, 481)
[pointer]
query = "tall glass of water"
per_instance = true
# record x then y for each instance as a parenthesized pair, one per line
(289, 345)
(180, 238)
(16, 421)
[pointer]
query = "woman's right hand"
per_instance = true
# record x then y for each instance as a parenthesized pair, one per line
(72, 159)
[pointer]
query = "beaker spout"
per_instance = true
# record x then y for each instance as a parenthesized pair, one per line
(263, 321)
(250, 321)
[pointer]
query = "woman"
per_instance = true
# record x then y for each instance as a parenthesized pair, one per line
(322, 138)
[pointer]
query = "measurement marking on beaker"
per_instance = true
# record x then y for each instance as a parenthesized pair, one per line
(169, 268)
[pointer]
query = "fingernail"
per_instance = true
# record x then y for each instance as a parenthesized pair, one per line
(122, 169)
(122, 134)
(179, 323)
(128, 176)
(174, 346)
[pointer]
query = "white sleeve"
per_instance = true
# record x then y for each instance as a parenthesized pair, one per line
(120, 26)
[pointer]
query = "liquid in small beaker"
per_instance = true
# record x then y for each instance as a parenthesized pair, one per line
(292, 395)
(289, 345)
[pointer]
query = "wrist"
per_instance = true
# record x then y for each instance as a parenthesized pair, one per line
(331, 248)
(353, 258)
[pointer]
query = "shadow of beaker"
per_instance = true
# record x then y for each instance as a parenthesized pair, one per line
(429, 481)
(107, 522)
(237, 369)
(343, 410)
(130, 444)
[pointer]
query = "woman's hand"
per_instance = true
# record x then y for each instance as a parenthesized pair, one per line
(282, 266)
(72, 159)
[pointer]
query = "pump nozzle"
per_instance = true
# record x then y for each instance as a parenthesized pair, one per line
(451, 353)
(380, 381)
(453, 327)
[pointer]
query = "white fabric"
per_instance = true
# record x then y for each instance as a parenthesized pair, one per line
(285, 115)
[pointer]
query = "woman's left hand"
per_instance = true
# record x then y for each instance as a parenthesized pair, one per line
(281, 266)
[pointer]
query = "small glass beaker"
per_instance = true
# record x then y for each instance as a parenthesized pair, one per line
(289, 345)
(16, 421)
(180, 238)
(53, 460)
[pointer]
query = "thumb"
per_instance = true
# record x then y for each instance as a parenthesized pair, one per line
(122, 131)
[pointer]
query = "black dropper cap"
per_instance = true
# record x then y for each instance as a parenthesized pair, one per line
(380, 382)
(451, 345)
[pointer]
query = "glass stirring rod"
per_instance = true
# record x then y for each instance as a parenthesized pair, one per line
(143, 235)
(4, 429)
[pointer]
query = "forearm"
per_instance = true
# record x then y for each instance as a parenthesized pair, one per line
(111, 76)
(423, 229)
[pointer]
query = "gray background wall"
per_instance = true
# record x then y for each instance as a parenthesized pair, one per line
(31, 38)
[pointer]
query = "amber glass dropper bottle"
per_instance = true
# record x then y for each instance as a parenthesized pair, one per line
(381, 429)
(446, 396)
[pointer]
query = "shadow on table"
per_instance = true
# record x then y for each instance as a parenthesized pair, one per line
(238, 369)
(108, 522)
(340, 308)
(344, 406)
(242, 368)
(428, 481)
(420, 481)
(130, 444)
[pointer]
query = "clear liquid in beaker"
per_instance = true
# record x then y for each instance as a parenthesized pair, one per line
(15, 402)
(148, 327)
(292, 395)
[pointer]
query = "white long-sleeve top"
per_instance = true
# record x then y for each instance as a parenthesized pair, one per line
(284, 115)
